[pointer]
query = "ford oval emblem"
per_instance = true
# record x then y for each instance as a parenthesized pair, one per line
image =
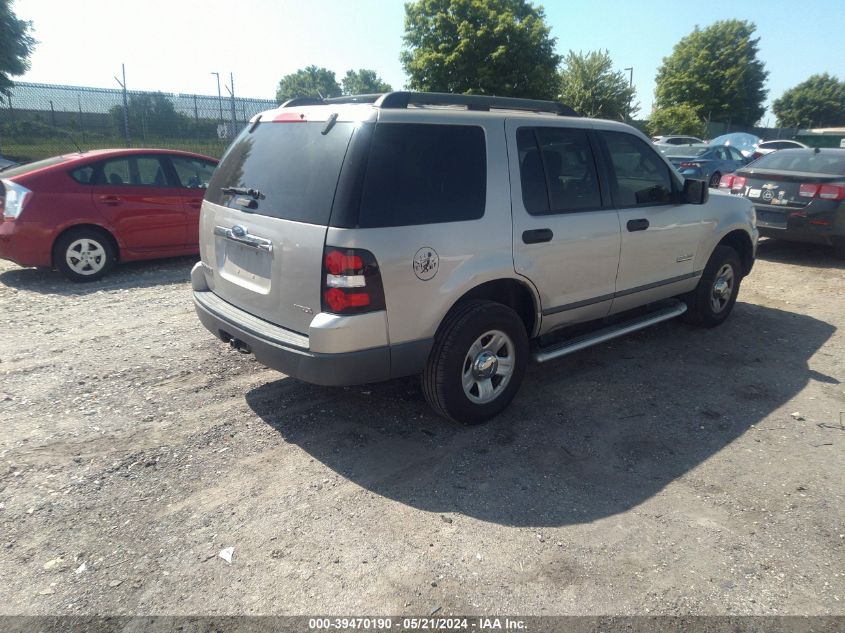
(238, 231)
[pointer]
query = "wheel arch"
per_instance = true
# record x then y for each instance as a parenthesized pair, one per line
(511, 292)
(92, 227)
(740, 241)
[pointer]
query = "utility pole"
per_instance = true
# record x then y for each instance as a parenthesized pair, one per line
(219, 95)
(630, 85)
(125, 107)
(231, 89)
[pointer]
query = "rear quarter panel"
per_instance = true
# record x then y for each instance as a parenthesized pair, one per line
(469, 253)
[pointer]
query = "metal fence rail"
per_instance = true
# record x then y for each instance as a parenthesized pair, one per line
(41, 120)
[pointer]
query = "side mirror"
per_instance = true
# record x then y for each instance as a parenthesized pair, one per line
(695, 191)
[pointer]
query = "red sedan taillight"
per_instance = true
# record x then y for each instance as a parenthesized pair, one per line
(351, 281)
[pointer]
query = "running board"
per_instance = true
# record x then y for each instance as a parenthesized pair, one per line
(605, 334)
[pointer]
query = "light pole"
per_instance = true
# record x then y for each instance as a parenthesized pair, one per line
(219, 95)
(630, 85)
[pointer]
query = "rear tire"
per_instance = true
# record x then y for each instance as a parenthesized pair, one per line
(84, 254)
(477, 362)
(715, 179)
(715, 295)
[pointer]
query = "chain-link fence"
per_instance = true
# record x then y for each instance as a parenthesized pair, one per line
(41, 120)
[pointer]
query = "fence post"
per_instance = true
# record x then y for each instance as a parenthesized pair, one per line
(125, 107)
(234, 115)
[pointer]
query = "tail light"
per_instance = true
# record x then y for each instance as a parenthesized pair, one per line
(689, 165)
(738, 183)
(832, 192)
(824, 192)
(726, 182)
(351, 281)
(13, 199)
(808, 190)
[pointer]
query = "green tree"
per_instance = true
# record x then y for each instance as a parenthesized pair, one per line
(716, 70)
(495, 47)
(363, 82)
(677, 119)
(150, 115)
(590, 86)
(16, 45)
(308, 82)
(817, 102)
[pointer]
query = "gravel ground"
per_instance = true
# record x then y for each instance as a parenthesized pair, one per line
(674, 471)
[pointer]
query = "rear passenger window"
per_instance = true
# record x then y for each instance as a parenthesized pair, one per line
(640, 177)
(140, 171)
(424, 174)
(557, 170)
(83, 175)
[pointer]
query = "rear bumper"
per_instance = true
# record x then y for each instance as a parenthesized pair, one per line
(820, 222)
(288, 352)
(24, 243)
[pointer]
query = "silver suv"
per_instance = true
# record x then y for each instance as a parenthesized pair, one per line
(359, 239)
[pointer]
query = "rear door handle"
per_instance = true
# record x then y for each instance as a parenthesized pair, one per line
(536, 236)
(637, 225)
(110, 200)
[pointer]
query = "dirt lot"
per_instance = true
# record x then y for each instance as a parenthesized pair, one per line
(661, 473)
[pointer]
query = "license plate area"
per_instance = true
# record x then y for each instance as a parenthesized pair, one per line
(245, 266)
(771, 219)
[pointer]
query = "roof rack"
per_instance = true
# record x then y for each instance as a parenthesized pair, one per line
(401, 100)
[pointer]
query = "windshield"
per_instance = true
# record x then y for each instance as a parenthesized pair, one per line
(808, 161)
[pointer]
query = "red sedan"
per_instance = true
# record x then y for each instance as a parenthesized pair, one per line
(82, 213)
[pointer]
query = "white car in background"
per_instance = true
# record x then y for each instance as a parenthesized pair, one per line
(663, 143)
(767, 147)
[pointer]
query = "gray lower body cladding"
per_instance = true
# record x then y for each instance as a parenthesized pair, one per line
(343, 369)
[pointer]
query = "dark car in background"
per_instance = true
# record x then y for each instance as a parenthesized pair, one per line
(798, 194)
(82, 213)
(706, 163)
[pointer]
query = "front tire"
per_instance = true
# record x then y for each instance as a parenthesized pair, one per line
(84, 254)
(477, 362)
(715, 295)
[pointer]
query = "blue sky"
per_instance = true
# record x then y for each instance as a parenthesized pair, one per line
(174, 45)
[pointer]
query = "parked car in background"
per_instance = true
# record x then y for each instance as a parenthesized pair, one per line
(767, 147)
(5, 163)
(707, 163)
(82, 213)
(744, 142)
(666, 144)
(798, 194)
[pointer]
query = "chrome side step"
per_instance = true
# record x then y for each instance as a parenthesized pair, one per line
(563, 348)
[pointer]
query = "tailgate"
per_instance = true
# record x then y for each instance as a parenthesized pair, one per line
(266, 266)
(264, 220)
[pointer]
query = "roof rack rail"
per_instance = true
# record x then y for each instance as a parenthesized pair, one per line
(400, 100)
(302, 101)
(473, 102)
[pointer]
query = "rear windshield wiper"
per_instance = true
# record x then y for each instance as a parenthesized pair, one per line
(243, 191)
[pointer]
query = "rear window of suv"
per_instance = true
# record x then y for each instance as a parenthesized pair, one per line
(424, 174)
(294, 166)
